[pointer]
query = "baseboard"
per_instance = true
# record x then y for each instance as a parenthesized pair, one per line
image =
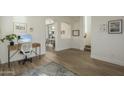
(108, 59)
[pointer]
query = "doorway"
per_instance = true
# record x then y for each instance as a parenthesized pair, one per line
(50, 35)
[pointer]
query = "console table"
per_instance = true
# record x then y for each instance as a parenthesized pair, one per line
(17, 48)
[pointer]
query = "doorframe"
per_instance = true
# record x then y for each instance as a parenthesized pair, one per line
(55, 23)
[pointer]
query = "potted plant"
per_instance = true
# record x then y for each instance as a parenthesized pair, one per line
(10, 38)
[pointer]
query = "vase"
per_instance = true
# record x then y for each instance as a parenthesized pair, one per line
(11, 43)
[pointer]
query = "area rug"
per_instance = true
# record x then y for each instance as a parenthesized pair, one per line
(49, 69)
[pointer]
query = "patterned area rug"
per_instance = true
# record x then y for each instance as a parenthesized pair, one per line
(50, 69)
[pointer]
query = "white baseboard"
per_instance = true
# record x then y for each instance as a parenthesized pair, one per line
(108, 59)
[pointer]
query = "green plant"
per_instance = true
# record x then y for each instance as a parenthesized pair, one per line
(10, 38)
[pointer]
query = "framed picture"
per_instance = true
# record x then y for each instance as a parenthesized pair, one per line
(115, 26)
(19, 28)
(75, 32)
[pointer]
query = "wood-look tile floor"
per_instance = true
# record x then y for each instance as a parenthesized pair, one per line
(76, 61)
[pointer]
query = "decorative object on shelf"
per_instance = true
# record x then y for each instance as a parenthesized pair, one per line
(75, 32)
(115, 26)
(20, 28)
(10, 38)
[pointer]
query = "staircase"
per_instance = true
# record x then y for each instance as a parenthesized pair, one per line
(87, 48)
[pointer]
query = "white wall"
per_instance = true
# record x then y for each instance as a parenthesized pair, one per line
(0, 30)
(107, 47)
(38, 23)
(88, 30)
(73, 42)
(67, 30)
(61, 44)
(78, 41)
